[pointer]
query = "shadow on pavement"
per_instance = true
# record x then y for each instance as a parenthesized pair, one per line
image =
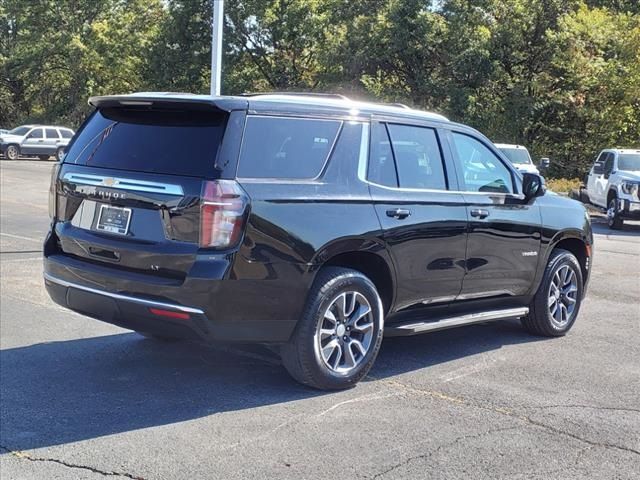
(60, 392)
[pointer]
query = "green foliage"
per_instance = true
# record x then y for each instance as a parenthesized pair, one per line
(55, 54)
(560, 76)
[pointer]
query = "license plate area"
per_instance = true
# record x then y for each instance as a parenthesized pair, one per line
(114, 219)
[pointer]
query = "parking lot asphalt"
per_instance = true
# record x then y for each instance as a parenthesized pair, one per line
(82, 399)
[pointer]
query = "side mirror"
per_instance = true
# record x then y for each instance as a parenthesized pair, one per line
(545, 162)
(532, 186)
(598, 168)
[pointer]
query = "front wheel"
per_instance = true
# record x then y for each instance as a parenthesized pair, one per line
(12, 152)
(614, 220)
(339, 335)
(60, 154)
(556, 304)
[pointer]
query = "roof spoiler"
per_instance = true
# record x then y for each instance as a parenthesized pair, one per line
(174, 100)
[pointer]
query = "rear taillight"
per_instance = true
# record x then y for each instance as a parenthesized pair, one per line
(53, 200)
(223, 212)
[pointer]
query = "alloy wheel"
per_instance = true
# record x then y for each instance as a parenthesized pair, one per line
(345, 332)
(563, 296)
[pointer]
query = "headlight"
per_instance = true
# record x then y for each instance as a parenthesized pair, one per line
(629, 187)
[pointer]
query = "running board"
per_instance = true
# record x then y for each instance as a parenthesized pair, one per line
(411, 327)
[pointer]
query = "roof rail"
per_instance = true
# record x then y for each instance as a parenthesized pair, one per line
(297, 94)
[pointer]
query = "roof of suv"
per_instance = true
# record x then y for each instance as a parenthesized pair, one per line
(270, 102)
(508, 145)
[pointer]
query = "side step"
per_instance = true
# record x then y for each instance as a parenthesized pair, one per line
(413, 327)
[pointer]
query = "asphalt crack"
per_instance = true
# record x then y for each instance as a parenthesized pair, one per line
(436, 450)
(26, 456)
(507, 412)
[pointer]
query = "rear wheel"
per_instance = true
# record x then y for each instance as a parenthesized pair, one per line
(614, 220)
(555, 306)
(339, 335)
(12, 152)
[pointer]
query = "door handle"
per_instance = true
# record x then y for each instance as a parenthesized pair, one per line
(398, 213)
(479, 212)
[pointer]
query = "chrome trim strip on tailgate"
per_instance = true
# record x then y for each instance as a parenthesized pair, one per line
(150, 303)
(123, 183)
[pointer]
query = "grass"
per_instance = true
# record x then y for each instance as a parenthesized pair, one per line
(563, 185)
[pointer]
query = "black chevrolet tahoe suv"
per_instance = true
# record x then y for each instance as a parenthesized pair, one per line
(311, 223)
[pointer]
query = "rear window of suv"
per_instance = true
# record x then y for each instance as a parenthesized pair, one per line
(279, 147)
(178, 142)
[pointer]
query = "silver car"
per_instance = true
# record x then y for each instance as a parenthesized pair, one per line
(40, 141)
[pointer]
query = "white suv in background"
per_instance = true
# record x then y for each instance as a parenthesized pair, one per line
(613, 183)
(520, 158)
(40, 141)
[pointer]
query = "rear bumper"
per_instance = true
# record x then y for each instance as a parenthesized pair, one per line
(207, 306)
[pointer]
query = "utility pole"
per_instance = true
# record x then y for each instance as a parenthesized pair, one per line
(216, 45)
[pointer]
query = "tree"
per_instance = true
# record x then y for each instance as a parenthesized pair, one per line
(62, 52)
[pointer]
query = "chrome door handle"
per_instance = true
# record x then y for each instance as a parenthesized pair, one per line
(398, 213)
(479, 212)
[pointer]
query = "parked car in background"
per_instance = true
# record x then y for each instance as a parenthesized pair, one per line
(520, 158)
(312, 223)
(613, 183)
(42, 141)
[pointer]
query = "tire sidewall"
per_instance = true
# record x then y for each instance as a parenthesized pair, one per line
(614, 222)
(557, 262)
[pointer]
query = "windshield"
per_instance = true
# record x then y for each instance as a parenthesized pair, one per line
(19, 131)
(629, 161)
(517, 156)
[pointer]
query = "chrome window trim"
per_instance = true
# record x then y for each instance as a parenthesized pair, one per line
(120, 183)
(50, 278)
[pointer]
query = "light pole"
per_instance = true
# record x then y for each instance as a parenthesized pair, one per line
(216, 45)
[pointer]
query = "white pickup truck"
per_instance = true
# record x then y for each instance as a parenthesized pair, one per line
(613, 183)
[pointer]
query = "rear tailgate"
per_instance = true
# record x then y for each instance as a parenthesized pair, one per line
(128, 192)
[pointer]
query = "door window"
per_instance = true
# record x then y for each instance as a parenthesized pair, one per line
(382, 169)
(481, 170)
(37, 133)
(608, 163)
(418, 158)
(52, 133)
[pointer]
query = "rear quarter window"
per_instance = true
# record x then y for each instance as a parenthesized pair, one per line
(278, 147)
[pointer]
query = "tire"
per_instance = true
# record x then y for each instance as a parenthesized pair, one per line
(614, 220)
(59, 154)
(543, 319)
(12, 152)
(322, 360)
(44, 157)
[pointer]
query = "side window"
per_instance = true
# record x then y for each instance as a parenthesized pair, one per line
(418, 158)
(608, 163)
(66, 133)
(52, 133)
(381, 165)
(482, 171)
(276, 147)
(36, 133)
